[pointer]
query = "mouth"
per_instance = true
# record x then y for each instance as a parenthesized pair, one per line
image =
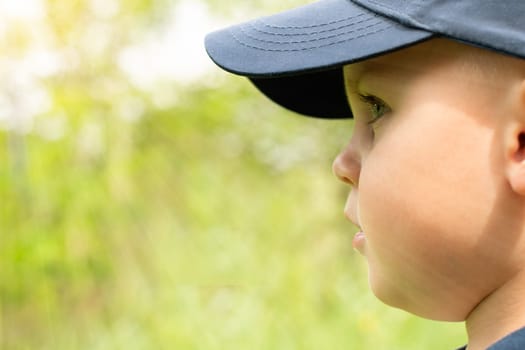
(351, 213)
(359, 240)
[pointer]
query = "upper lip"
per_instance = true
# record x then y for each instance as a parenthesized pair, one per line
(350, 215)
(351, 208)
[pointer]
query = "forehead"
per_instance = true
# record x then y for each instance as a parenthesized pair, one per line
(442, 59)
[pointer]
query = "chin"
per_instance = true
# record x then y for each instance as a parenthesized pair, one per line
(427, 306)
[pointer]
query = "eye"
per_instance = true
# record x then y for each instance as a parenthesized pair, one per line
(377, 107)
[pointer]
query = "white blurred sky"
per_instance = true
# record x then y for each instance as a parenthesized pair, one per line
(176, 52)
(172, 52)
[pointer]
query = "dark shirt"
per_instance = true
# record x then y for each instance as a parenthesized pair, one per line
(513, 341)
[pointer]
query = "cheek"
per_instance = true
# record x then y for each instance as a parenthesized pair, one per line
(422, 210)
(429, 203)
(427, 179)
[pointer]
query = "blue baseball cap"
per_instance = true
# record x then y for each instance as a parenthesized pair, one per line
(296, 57)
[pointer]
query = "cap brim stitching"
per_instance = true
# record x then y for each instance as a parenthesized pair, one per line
(310, 40)
(238, 40)
(251, 24)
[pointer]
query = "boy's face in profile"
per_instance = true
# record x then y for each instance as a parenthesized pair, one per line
(431, 164)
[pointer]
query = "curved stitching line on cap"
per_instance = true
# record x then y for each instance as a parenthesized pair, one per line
(305, 48)
(312, 25)
(397, 12)
(308, 41)
(383, 5)
(414, 21)
(309, 33)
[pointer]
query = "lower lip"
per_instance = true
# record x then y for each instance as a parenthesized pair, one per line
(359, 242)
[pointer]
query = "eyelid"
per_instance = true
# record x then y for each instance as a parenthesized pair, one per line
(370, 99)
(373, 100)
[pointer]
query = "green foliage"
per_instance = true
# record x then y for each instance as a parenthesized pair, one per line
(185, 216)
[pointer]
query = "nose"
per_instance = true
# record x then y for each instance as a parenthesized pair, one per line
(347, 165)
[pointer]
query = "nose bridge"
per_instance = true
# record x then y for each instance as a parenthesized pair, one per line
(347, 164)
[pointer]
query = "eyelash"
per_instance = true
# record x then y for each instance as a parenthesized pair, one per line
(372, 102)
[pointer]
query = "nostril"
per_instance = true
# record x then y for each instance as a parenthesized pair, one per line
(346, 180)
(346, 169)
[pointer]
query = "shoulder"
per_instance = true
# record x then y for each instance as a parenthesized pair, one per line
(513, 341)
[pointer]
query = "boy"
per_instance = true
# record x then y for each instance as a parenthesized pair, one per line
(436, 163)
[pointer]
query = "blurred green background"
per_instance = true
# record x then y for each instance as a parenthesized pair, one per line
(151, 201)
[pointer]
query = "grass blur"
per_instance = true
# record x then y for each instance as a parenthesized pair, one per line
(167, 214)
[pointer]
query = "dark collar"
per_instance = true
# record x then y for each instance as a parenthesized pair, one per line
(513, 341)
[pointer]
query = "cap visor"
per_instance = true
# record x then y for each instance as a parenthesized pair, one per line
(321, 36)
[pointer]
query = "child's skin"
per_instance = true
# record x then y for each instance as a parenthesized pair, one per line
(438, 183)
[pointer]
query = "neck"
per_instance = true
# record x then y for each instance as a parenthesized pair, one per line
(499, 314)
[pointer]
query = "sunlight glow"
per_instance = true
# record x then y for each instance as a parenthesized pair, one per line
(176, 52)
(26, 10)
